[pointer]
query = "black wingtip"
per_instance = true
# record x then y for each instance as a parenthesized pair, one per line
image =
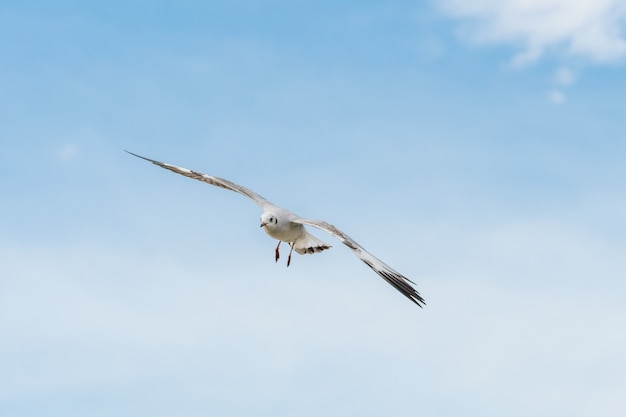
(138, 156)
(419, 300)
(399, 282)
(143, 157)
(415, 297)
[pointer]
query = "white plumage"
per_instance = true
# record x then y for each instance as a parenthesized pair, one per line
(285, 226)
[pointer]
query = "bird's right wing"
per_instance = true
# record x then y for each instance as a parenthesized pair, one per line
(393, 277)
(209, 179)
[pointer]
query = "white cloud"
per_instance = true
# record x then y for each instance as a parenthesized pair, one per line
(589, 29)
(556, 96)
(564, 76)
(90, 321)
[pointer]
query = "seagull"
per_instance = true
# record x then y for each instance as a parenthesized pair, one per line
(285, 226)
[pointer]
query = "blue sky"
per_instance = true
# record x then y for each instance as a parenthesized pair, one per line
(477, 147)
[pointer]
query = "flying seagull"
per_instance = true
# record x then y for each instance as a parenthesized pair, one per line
(288, 227)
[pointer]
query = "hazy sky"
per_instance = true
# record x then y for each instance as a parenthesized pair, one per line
(478, 147)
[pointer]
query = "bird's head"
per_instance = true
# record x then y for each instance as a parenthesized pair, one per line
(269, 220)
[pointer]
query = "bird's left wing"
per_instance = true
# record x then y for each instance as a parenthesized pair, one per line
(393, 277)
(209, 179)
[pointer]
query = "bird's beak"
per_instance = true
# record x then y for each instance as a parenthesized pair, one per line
(263, 224)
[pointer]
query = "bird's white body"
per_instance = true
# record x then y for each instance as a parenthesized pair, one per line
(279, 224)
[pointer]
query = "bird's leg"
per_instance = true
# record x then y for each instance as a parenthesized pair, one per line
(291, 250)
(277, 251)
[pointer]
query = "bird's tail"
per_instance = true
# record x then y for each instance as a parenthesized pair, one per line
(310, 244)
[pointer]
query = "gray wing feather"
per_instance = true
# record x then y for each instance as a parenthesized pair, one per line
(209, 179)
(393, 277)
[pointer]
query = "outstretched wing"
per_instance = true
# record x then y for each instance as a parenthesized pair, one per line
(209, 179)
(397, 280)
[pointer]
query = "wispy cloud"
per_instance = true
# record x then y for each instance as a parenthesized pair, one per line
(588, 29)
(564, 76)
(67, 152)
(517, 306)
(556, 96)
